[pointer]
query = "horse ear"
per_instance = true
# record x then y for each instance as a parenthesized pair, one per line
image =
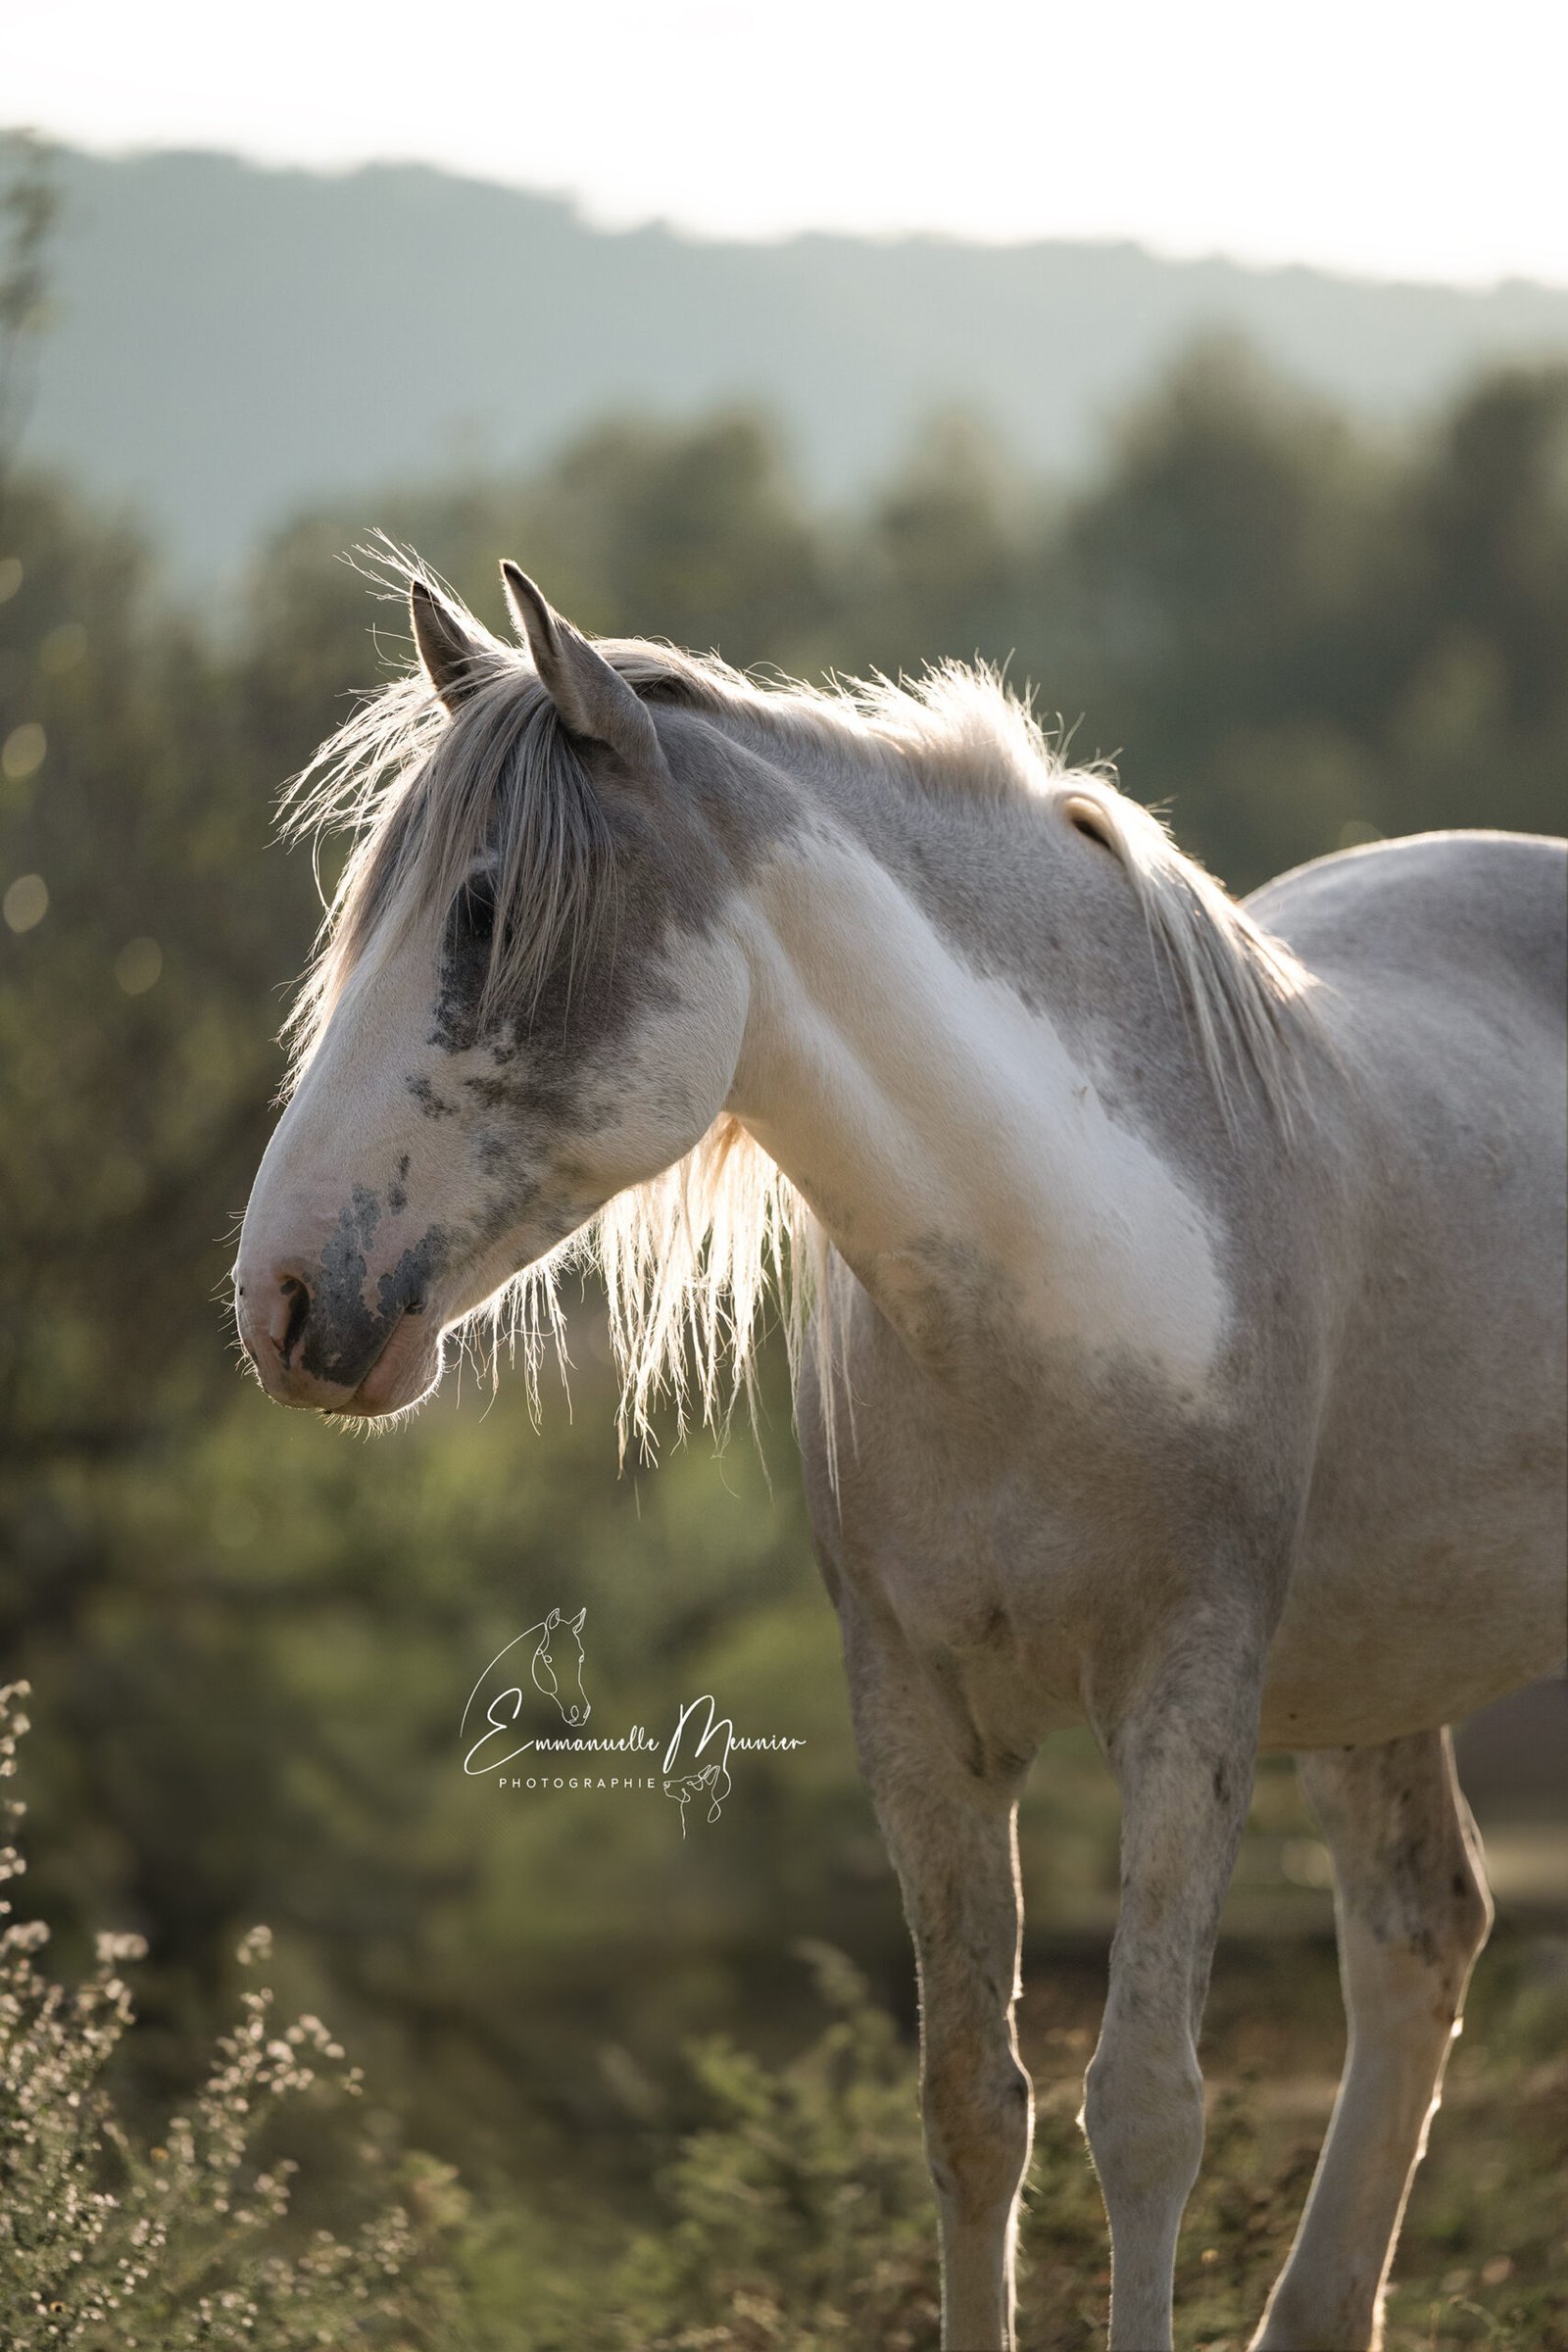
(593, 699)
(552, 1621)
(577, 1622)
(449, 655)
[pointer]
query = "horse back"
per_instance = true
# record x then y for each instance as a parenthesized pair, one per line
(1467, 913)
(1433, 1535)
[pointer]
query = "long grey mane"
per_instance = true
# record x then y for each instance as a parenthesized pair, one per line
(694, 1254)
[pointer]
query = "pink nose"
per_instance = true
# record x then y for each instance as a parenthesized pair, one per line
(273, 1309)
(288, 1311)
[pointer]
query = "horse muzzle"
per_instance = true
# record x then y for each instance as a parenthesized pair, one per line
(312, 1348)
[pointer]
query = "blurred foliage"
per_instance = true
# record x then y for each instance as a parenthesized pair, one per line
(29, 206)
(113, 2244)
(252, 1638)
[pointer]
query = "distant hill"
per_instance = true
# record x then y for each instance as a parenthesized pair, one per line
(231, 342)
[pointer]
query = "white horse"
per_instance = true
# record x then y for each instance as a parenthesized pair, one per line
(1177, 1293)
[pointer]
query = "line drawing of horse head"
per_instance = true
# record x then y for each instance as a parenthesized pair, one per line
(557, 1670)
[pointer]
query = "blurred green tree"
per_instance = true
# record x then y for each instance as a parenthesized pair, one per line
(29, 206)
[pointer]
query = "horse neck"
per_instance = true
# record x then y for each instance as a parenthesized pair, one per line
(923, 1075)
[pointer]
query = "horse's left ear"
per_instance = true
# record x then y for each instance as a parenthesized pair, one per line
(593, 699)
(448, 656)
(575, 1626)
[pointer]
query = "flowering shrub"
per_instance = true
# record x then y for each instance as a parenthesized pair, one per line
(107, 2245)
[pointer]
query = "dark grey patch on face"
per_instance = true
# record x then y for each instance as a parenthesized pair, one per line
(587, 880)
(406, 1288)
(343, 1336)
(661, 859)
(336, 1329)
(464, 966)
(366, 1214)
(433, 1106)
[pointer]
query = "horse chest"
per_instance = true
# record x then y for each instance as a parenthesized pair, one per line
(979, 1567)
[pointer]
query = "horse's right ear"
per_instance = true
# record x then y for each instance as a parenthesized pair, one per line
(593, 699)
(449, 654)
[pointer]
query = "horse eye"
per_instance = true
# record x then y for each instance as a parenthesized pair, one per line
(476, 906)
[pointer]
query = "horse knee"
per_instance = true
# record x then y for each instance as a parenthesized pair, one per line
(978, 2125)
(1418, 1951)
(1142, 2115)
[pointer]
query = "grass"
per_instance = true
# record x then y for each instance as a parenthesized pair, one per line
(797, 2218)
(1482, 2259)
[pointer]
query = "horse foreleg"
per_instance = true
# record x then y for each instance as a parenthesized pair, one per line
(1413, 1913)
(1183, 1753)
(950, 1831)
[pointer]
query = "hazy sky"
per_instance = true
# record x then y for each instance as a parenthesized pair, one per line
(1388, 137)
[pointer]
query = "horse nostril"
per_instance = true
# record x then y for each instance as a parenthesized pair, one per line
(298, 1314)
